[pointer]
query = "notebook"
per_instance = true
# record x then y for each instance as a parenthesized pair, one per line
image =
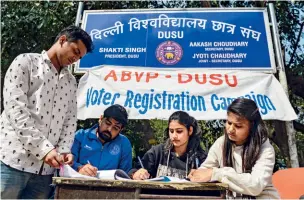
(116, 174)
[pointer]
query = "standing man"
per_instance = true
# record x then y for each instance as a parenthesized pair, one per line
(39, 117)
(103, 147)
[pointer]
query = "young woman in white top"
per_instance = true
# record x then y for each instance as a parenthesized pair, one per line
(243, 158)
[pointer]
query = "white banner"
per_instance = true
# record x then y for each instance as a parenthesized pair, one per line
(156, 93)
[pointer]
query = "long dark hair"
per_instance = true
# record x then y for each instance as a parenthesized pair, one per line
(188, 121)
(247, 109)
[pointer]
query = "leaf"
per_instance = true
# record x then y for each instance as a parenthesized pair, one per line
(40, 25)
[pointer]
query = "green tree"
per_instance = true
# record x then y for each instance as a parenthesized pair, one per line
(32, 26)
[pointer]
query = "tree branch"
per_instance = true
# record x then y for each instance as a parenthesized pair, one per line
(260, 3)
(206, 4)
(296, 45)
(296, 84)
(298, 126)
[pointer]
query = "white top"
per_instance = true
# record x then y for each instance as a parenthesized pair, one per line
(257, 183)
(39, 112)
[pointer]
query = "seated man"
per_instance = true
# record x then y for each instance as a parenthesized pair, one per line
(103, 147)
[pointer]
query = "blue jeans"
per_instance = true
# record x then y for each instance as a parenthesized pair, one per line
(16, 184)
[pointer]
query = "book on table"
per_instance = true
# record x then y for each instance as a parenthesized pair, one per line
(116, 174)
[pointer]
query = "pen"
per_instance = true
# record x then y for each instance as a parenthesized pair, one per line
(89, 162)
(197, 163)
(142, 166)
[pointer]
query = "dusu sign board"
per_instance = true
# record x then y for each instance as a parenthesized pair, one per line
(192, 38)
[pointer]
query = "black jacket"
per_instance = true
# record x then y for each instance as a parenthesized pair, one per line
(160, 162)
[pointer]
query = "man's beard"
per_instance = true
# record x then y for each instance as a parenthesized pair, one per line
(105, 135)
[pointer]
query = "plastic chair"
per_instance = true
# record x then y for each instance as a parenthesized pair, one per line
(289, 182)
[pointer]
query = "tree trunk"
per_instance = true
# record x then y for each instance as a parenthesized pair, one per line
(292, 143)
(279, 137)
(288, 128)
(286, 144)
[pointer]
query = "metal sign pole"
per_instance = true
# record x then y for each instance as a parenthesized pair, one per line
(79, 13)
(283, 80)
(77, 22)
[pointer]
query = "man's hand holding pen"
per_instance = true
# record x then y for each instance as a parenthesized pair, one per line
(88, 169)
